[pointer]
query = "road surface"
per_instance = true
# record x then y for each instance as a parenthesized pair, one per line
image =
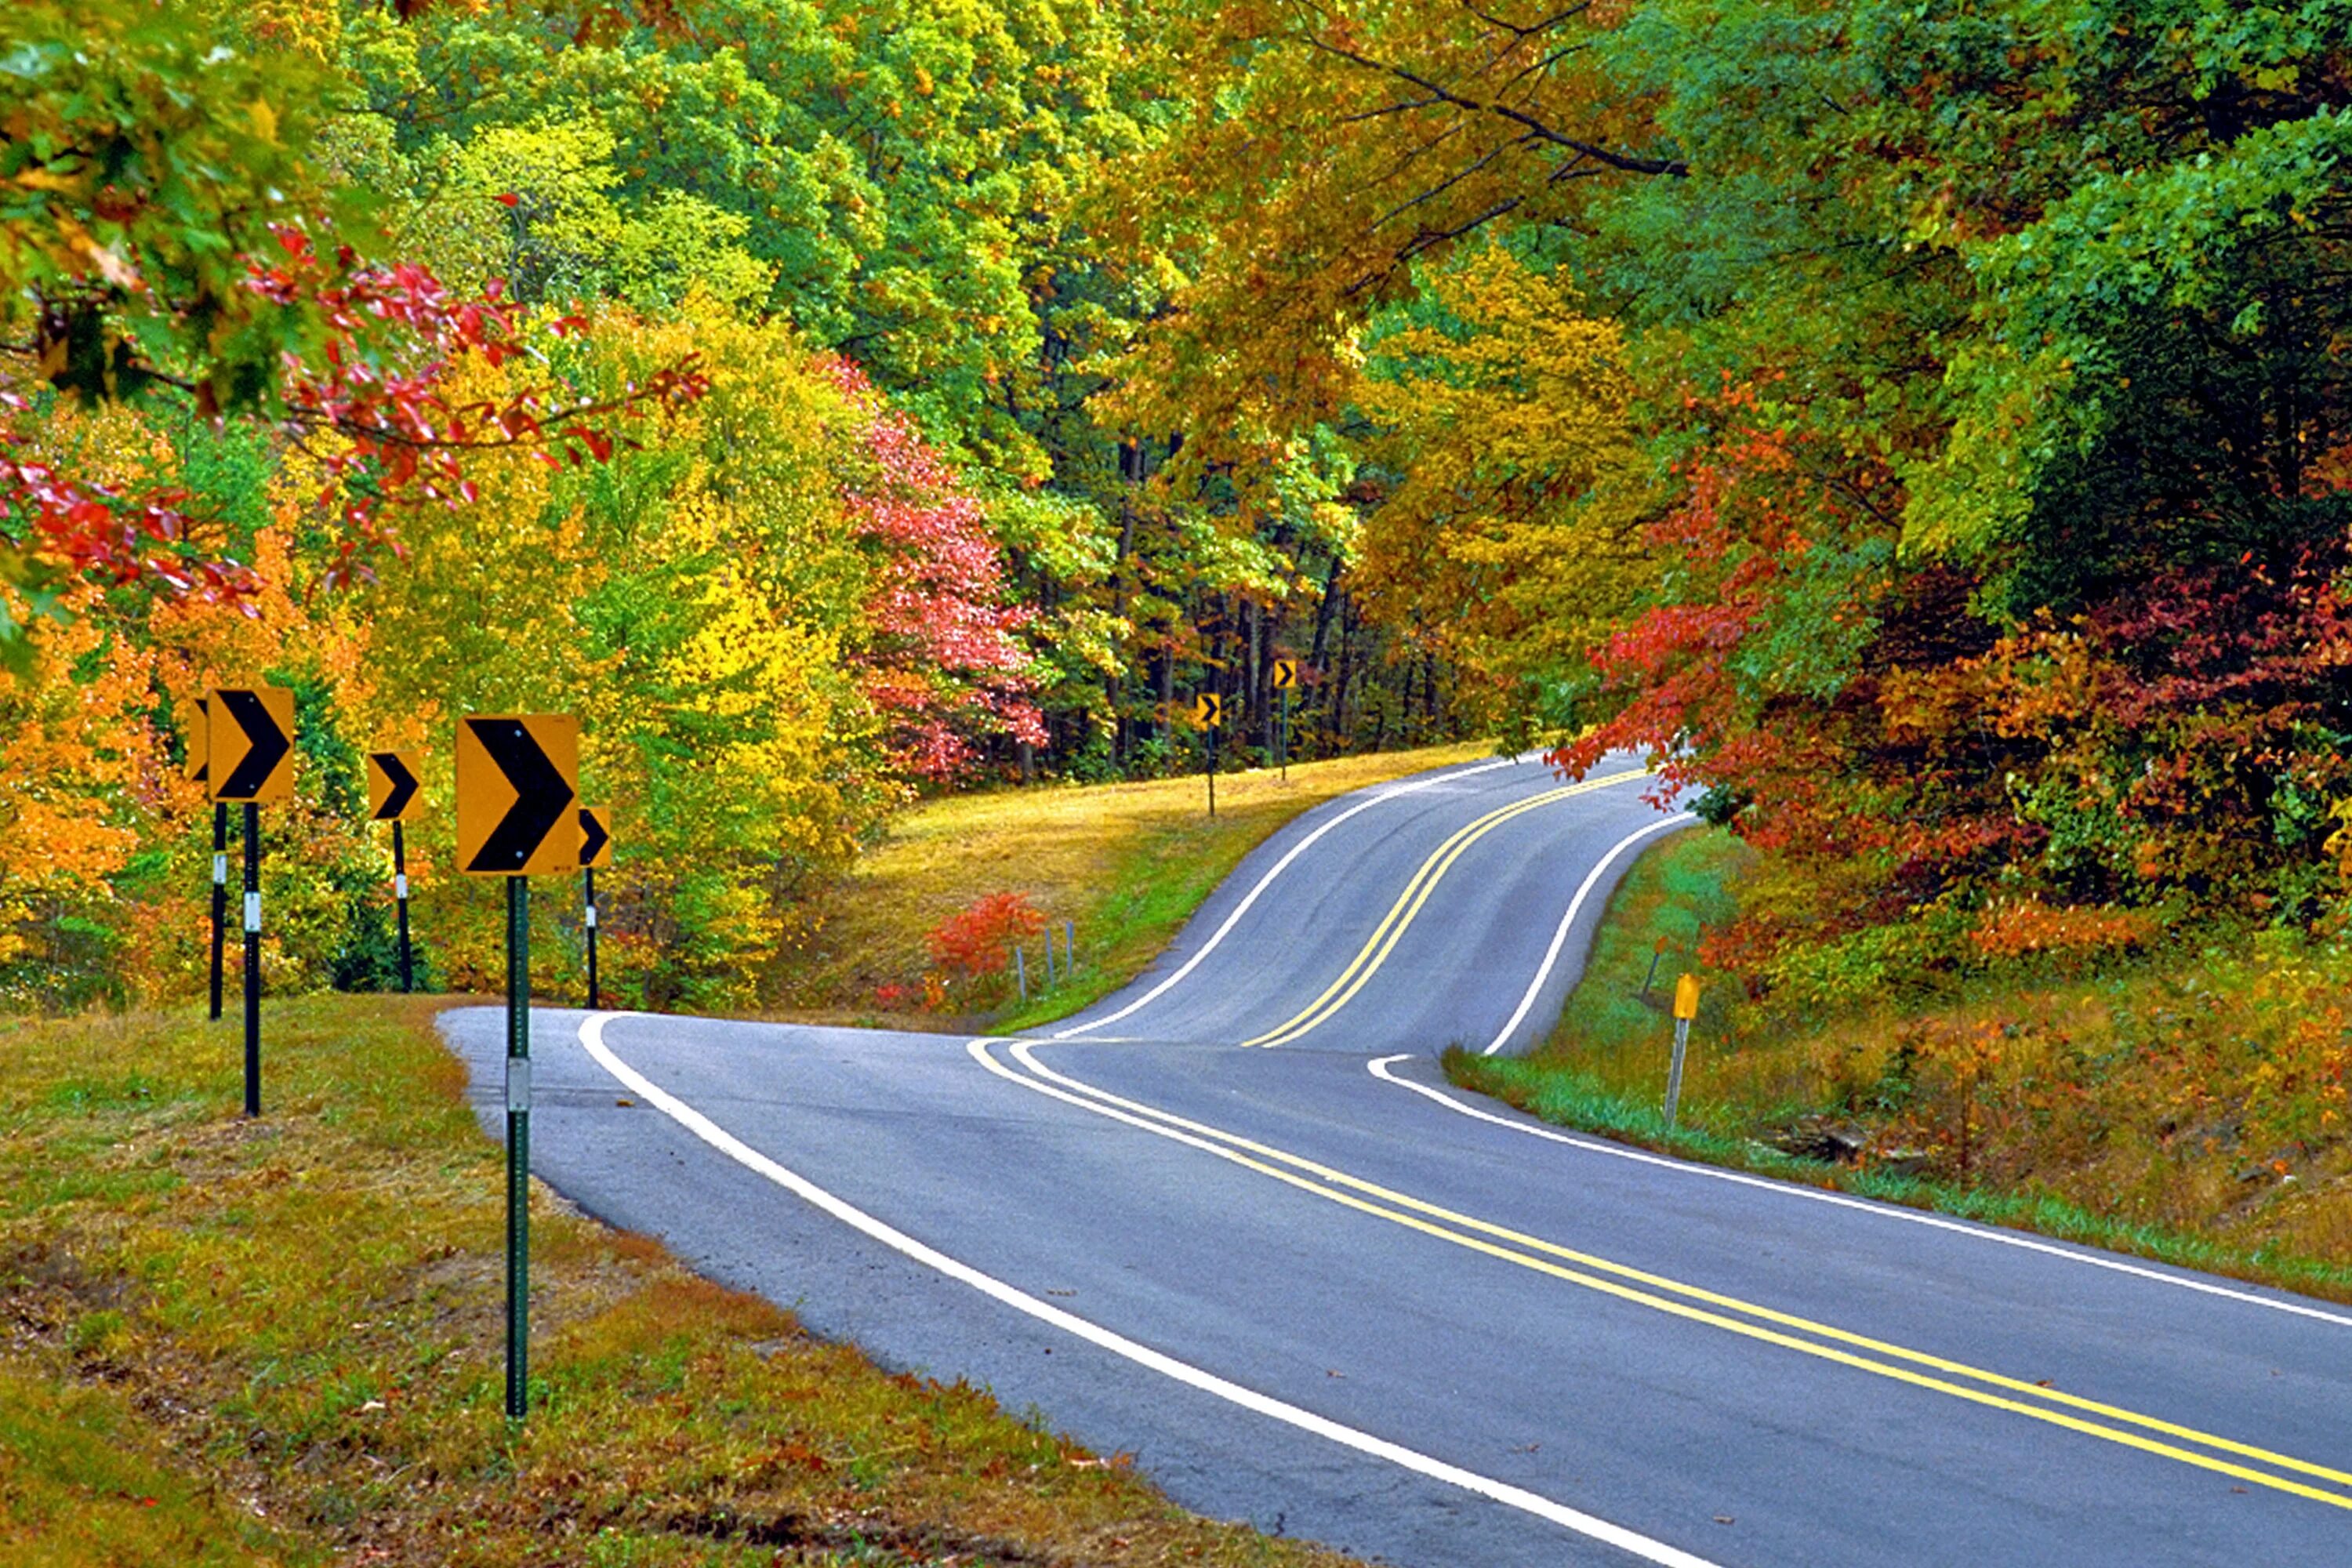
(1234, 1222)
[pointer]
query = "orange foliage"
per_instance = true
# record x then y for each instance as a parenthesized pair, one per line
(2012, 927)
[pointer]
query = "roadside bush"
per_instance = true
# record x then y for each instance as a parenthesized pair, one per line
(977, 941)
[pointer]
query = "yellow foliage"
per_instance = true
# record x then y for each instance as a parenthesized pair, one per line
(1509, 533)
(716, 718)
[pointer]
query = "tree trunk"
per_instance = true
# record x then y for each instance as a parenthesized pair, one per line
(1122, 739)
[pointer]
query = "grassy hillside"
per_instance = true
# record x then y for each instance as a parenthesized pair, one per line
(2184, 1103)
(1127, 863)
(280, 1342)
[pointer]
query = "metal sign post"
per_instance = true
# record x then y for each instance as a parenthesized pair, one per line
(518, 1147)
(1686, 1009)
(1208, 712)
(249, 758)
(395, 794)
(595, 849)
(1657, 952)
(252, 959)
(220, 899)
(1286, 676)
(518, 817)
(400, 902)
(588, 907)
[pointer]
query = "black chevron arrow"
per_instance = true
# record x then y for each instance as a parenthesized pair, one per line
(592, 836)
(403, 784)
(542, 795)
(265, 745)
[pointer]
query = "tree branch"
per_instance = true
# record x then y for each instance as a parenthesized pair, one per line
(1620, 161)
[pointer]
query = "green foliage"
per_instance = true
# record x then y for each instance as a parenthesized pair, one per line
(150, 149)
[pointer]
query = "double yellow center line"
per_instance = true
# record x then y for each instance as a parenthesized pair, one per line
(1383, 939)
(1714, 1309)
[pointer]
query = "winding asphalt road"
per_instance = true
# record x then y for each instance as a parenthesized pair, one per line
(1234, 1222)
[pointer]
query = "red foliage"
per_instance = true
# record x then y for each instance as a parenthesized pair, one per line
(979, 941)
(944, 663)
(2178, 733)
(384, 338)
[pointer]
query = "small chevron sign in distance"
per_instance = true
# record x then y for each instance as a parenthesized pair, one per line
(396, 785)
(1208, 709)
(518, 794)
(1285, 674)
(249, 742)
(194, 721)
(596, 838)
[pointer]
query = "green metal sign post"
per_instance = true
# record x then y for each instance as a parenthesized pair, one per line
(518, 1147)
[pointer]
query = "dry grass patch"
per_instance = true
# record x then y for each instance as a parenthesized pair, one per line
(1127, 863)
(280, 1341)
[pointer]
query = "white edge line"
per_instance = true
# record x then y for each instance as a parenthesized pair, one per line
(1277, 870)
(1379, 1067)
(592, 1038)
(1559, 937)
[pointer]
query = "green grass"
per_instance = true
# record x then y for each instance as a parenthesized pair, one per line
(281, 1341)
(82, 1480)
(1750, 1076)
(1127, 863)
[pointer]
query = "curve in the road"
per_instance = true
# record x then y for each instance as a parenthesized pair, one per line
(1409, 903)
(1338, 917)
(591, 1033)
(1257, 890)
(1698, 1304)
(1437, 1307)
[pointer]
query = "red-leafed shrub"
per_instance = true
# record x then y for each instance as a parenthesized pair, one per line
(978, 941)
(943, 661)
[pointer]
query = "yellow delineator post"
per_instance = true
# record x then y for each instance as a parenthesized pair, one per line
(1686, 1009)
(395, 790)
(518, 817)
(249, 759)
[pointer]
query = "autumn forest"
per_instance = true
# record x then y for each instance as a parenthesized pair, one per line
(1921, 428)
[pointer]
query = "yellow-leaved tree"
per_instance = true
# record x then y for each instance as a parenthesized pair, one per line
(689, 602)
(1507, 535)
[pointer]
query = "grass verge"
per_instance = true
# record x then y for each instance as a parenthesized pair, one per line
(2031, 1101)
(279, 1342)
(1126, 864)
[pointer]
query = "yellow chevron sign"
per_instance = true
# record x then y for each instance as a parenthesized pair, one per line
(396, 785)
(596, 838)
(518, 793)
(195, 724)
(249, 742)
